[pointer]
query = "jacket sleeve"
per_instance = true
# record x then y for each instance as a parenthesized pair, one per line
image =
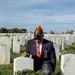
(53, 57)
(27, 48)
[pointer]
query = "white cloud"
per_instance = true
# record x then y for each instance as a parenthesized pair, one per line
(43, 19)
(69, 18)
(19, 12)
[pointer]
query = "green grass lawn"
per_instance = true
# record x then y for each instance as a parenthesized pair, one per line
(8, 69)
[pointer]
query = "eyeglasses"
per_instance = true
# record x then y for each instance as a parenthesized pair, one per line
(37, 38)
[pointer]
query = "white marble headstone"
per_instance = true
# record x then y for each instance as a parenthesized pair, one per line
(68, 64)
(21, 63)
(22, 40)
(16, 47)
(4, 55)
(63, 43)
(56, 46)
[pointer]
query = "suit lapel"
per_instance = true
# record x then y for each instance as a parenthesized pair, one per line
(43, 47)
(34, 47)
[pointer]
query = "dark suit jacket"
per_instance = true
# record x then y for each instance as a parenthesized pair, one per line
(47, 54)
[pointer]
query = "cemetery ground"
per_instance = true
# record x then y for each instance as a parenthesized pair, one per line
(8, 69)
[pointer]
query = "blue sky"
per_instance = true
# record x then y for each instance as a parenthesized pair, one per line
(56, 15)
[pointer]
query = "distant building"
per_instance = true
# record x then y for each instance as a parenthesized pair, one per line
(67, 33)
(73, 33)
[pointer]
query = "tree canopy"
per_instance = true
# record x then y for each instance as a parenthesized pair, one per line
(13, 30)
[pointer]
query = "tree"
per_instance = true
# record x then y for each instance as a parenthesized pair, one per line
(71, 31)
(62, 32)
(15, 30)
(51, 32)
(23, 30)
(9, 30)
(3, 30)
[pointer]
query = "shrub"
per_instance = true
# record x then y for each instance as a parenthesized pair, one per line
(72, 47)
(25, 72)
(64, 52)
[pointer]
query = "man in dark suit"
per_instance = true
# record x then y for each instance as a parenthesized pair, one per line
(42, 52)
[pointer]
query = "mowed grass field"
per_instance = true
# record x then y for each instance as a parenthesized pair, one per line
(8, 69)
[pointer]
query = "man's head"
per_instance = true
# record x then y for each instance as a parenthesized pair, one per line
(38, 34)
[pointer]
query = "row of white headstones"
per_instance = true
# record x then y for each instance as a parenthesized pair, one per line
(19, 39)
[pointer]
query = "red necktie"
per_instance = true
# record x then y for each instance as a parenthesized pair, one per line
(38, 51)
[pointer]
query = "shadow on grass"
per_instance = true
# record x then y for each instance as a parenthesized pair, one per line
(58, 73)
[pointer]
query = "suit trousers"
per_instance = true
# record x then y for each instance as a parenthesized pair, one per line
(46, 69)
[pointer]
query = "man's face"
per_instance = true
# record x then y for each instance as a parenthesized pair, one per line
(38, 40)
